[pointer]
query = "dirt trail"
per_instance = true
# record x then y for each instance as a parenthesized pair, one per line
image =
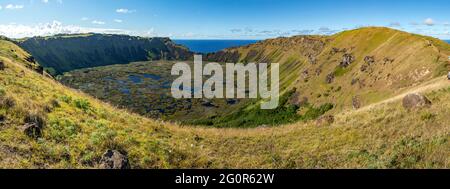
(437, 83)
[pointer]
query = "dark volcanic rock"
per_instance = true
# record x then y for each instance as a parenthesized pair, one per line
(32, 130)
(207, 103)
(330, 78)
(297, 100)
(312, 59)
(347, 59)
(388, 60)
(30, 59)
(354, 81)
(113, 159)
(39, 69)
(364, 67)
(232, 101)
(252, 55)
(33, 126)
(2, 65)
(318, 71)
(356, 102)
(369, 60)
(305, 73)
(325, 120)
(335, 50)
(415, 101)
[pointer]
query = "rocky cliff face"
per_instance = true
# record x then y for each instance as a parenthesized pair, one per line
(64, 53)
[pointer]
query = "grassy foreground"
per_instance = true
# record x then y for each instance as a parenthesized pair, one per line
(78, 129)
(331, 74)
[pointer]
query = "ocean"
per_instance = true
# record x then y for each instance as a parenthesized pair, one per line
(210, 46)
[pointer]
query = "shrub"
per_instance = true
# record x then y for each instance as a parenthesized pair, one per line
(50, 71)
(2, 92)
(54, 103)
(407, 153)
(7, 102)
(284, 114)
(103, 137)
(34, 124)
(66, 99)
(62, 129)
(340, 71)
(314, 113)
(82, 104)
(36, 119)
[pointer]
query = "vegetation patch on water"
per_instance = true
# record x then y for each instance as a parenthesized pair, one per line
(144, 88)
(255, 117)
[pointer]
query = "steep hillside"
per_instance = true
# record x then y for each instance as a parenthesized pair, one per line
(64, 53)
(11, 51)
(350, 69)
(319, 75)
(44, 124)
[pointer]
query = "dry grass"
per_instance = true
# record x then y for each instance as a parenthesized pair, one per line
(80, 128)
(416, 59)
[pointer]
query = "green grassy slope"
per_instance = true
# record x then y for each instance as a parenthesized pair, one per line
(78, 129)
(385, 62)
(11, 51)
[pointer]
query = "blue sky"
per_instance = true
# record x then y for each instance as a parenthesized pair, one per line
(220, 19)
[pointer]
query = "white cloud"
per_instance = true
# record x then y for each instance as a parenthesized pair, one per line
(98, 22)
(249, 33)
(85, 19)
(118, 20)
(48, 29)
(53, 28)
(1, 7)
(429, 22)
(13, 7)
(150, 33)
(125, 11)
(48, 1)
